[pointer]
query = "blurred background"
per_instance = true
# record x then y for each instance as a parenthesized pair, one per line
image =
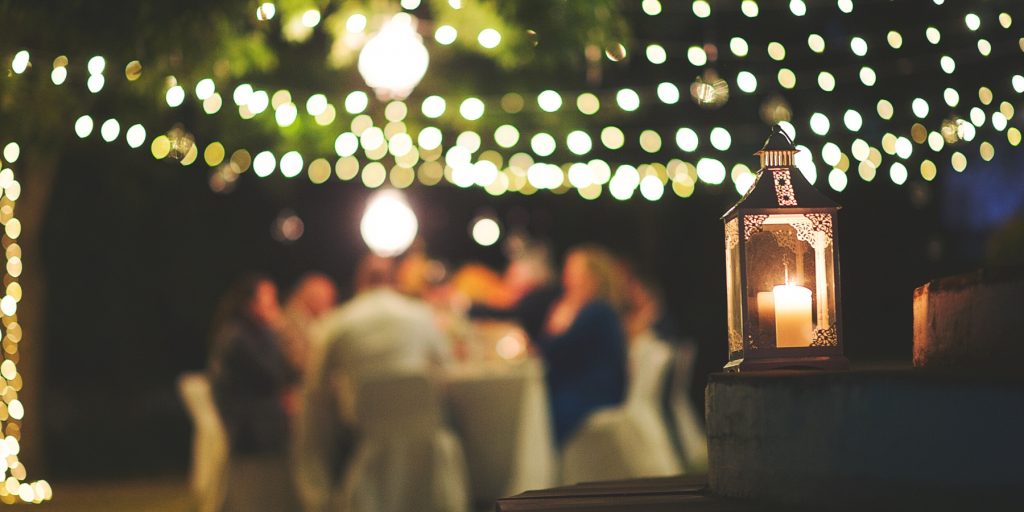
(130, 249)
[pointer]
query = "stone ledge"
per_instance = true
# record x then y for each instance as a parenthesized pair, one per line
(854, 438)
(970, 321)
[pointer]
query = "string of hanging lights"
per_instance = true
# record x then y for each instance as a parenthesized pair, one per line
(15, 486)
(519, 155)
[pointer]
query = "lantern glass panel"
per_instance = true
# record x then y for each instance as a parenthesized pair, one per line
(790, 272)
(733, 288)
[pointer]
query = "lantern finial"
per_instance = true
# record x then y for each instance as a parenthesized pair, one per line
(778, 150)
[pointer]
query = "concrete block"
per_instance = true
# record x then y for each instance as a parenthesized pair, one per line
(852, 439)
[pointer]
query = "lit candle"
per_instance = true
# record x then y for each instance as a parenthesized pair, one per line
(766, 312)
(793, 324)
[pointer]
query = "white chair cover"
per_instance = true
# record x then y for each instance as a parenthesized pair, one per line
(210, 448)
(689, 427)
(632, 440)
(406, 458)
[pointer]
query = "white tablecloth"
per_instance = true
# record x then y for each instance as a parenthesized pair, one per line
(500, 412)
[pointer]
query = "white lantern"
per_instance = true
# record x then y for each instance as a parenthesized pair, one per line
(389, 225)
(394, 60)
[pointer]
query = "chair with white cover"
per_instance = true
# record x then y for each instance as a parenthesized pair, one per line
(688, 425)
(631, 440)
(210, 448)
(407, 458)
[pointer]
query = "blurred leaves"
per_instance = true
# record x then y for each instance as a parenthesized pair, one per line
(195, 39)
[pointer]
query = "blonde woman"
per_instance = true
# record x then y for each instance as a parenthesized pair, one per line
(582, 342)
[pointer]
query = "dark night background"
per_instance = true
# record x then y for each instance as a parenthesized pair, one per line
(136, 265)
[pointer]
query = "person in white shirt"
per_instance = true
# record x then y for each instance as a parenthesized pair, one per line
(376, 331)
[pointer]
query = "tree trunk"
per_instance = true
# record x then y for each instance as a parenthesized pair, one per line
(36, 172)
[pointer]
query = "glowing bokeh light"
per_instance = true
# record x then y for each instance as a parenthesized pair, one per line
(388, 225)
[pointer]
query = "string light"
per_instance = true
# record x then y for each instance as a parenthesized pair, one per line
(816, 43)
(549, 101)
(266, 11)
(471, 109)
(12, 411)
(826, 81)
(973, 22)
(656, 54)
(486, 231)
(746, 81)
(738, 46)
(356, 102)
(797, 7)
(701, 8)
(311, 18)
(651, 7)
(819, 124)
(898, 173)
(20, 62)
(859, 46)
(749, 8)
(356, 24)
(543, 144)
(720, 138)
(853, 121)
(95, 83)
(628, 99)
(285, 114)
(135, 135)
(489, 38)
(894, 39)
(867, 76)
(612, 137)
(578, 142)
(109, 130)
(59, 75)
(697, 56)
(175, 96)
(947, 64)
(263, 164)
(445, 34)
(83, 126)
(920, 107)
(505, 135)
(588, 103)
(291, 164)
(668, 93)
(687, 140)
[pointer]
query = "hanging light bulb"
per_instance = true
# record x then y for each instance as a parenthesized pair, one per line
(389, 225)
(394, 60)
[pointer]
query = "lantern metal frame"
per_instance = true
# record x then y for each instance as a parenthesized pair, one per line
(782, 192)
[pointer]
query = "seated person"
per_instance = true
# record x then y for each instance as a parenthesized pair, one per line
(378, 330)
(582, 341)
(251, 377)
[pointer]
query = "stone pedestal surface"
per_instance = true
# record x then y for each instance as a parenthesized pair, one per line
(867, 438)
(971, 321)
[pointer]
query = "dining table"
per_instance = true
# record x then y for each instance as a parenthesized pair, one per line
(499, 411)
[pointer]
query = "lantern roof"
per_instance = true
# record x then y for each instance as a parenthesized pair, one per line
(779, 183)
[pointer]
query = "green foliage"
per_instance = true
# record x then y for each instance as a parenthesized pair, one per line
(194, 39)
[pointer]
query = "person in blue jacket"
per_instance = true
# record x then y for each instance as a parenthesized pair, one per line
(582, 343)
